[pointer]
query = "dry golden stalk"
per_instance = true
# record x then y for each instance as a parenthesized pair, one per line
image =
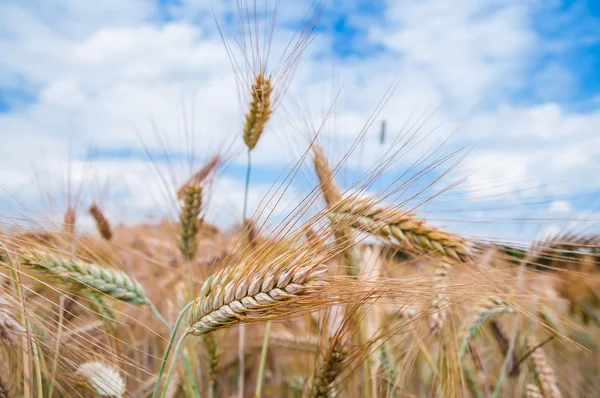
(399, 226)
(8, 324)
(102, 223)
(228, 298)
(102, 379)
(259, 112)
(197, 179)
(189, 219)
(543, 372)
(109, 281)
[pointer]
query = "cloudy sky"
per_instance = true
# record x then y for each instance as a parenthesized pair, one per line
(124, 98)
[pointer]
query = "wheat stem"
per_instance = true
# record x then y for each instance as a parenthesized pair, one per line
(242, 328)
(169, 346)
(263, 360)
(172, 366)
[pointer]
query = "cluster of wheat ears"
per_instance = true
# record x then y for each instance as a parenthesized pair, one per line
(363, 298)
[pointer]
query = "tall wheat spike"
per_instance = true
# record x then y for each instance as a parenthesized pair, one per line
(109, 281)
(234, 296)
(189, 220)
(102, 223)
(259, 110)
(544, 374)
(399, 226)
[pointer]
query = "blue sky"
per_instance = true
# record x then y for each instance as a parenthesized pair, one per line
(84, 87)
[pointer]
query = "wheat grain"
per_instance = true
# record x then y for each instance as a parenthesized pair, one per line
(402, 227)
(259, 110)
(109, 281)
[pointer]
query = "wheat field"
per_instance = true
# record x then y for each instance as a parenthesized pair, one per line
(352, 292)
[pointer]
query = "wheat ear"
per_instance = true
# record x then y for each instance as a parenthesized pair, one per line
(102, 223)
(492, 307)
(441, 300)
(259, 111)
(102, 379)
(246, 297)
(544, 374)
(109, 281)
(324, 383)
(400, 227)
(189, 219)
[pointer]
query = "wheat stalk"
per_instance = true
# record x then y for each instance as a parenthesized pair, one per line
(544, 374)
(102, 223)
(259, 110)
(102, 379)
(69, 221)
(189, 219)
(402, 227)
(99, 306)
(245, 297)
(109, 281)
(490, 308)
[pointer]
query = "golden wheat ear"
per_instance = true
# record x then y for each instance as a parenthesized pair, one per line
(259, 110)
